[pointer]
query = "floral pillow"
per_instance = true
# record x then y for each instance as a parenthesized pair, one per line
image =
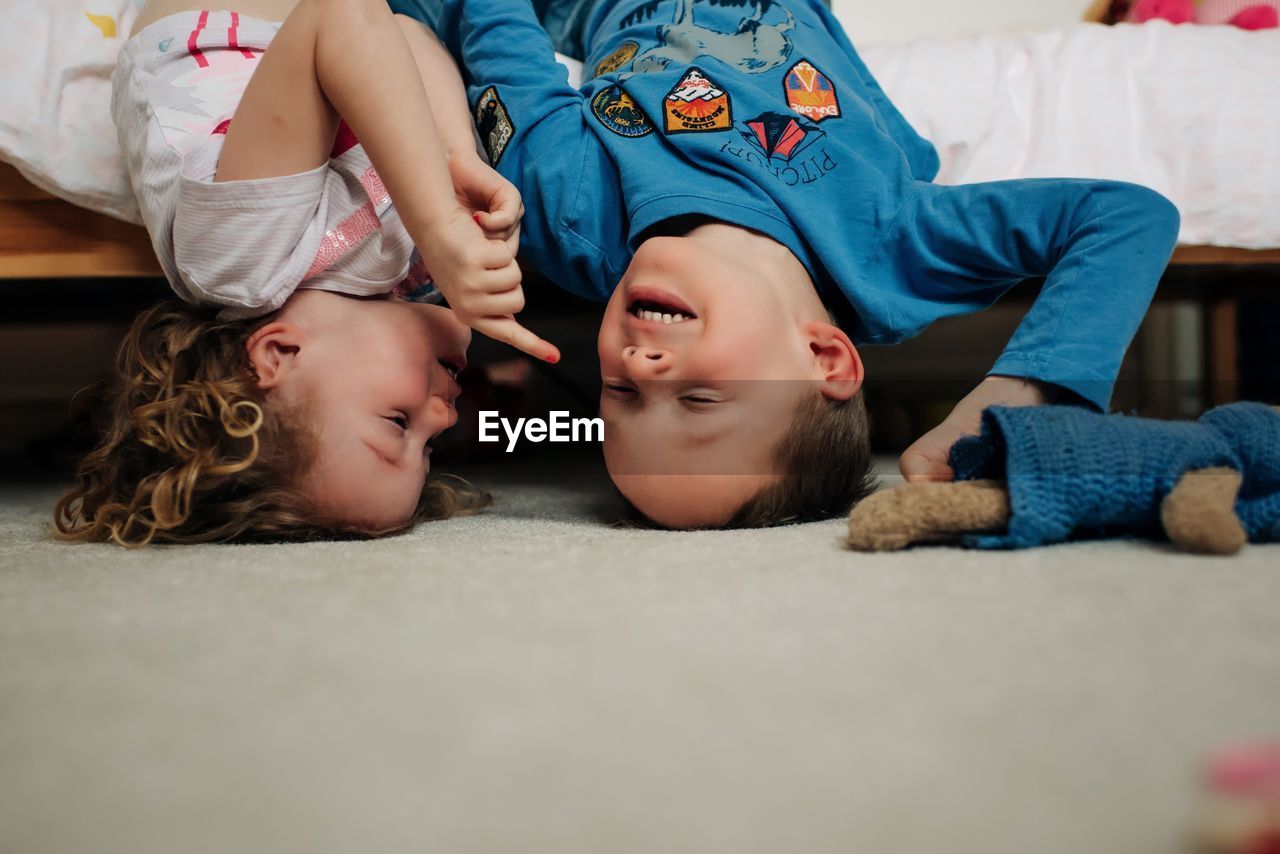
(56, 57)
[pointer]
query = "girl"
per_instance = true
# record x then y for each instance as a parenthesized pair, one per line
(305, 407)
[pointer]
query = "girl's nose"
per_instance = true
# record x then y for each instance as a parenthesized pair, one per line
(440, 410)
(445, 385)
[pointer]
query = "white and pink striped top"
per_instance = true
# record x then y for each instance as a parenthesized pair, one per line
(245, 245)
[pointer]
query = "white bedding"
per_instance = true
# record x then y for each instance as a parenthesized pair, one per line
(1192, 111)
(56, 58)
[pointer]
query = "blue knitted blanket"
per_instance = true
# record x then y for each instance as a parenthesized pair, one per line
(1076, 473)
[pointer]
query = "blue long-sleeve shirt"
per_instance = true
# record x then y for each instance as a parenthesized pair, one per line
(761, 114)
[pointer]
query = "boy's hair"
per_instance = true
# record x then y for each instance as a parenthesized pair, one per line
(826, 466)
(190, 452)
(826, 463)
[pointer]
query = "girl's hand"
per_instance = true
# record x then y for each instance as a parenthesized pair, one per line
(926, 459)
(493, 200)
(479, 277)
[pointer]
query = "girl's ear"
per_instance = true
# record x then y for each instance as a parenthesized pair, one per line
(273, 352)
(836, 360)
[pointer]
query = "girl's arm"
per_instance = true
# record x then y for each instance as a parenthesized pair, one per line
(448, 94)
(493, 200)
(349, 58)
(534, 128)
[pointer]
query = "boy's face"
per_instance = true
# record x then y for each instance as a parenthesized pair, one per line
(695, 407)
(378, 380)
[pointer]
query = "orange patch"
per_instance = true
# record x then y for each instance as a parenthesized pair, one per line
(810, 93)
(696, 104)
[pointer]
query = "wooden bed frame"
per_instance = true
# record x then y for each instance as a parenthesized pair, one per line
(45, 237)
(42, 237)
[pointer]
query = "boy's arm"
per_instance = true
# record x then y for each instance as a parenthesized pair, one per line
(927, 457)
(502, 43)
(1101, 246)
(921, 154)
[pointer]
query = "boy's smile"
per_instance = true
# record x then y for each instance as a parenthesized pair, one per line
(706, 348)
(655, 305)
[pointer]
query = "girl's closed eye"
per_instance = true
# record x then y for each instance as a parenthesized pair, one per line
(399, 419)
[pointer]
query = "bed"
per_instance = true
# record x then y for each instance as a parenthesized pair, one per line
(1190, 111)
(42, 236)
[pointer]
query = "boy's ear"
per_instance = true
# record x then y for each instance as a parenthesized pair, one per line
(836, 359)
(273, 352)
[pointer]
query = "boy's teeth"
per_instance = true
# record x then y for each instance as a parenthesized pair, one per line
(660, 317)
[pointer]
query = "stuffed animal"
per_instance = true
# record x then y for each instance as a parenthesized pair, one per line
(1246, 14)
(1045, 474)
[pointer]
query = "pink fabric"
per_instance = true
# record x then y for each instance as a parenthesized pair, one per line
(355, 228)
(1257, 18)
(193, 41)
(1248, 14)
(1246, 769)
(233, 41)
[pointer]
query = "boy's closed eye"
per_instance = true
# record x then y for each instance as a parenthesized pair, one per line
(699, 400)
(619, 391)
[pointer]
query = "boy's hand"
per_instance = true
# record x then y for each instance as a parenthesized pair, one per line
(480, 279)
(926, 459)
(494, 201)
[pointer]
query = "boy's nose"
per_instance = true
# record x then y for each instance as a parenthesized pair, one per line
(646, 361)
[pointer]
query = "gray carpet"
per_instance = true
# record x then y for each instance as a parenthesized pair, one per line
(533, 680)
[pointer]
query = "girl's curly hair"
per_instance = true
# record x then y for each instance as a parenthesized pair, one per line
(190, 452)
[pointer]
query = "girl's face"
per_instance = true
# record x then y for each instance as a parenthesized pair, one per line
(378, 379)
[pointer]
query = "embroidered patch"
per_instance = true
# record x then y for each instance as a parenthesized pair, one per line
(622, 56)
(619, 113)
(696, 104)
(786, 146)
(493, 124)
(810, 93)
(777, 135)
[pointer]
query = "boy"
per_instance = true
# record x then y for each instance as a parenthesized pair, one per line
(733, 181)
